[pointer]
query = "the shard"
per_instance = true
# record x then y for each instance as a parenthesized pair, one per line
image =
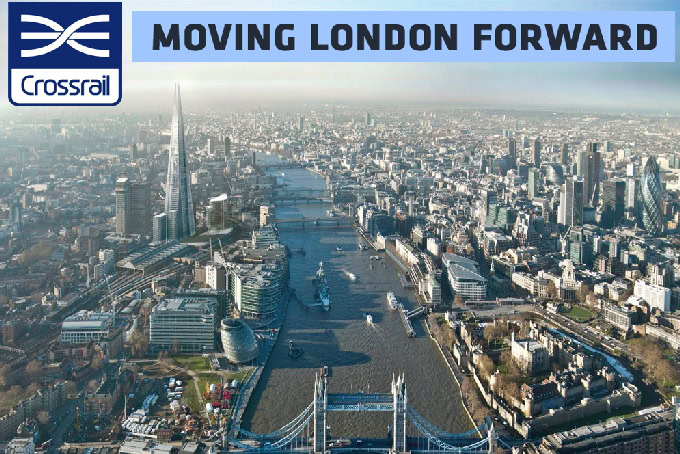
(179, 206)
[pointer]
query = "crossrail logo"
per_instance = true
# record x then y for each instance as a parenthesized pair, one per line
(65, 53)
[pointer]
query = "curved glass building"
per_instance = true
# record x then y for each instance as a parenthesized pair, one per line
(238, 340)
(649, 198)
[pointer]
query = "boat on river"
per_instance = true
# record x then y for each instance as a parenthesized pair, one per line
(392, 300)
(321, 293)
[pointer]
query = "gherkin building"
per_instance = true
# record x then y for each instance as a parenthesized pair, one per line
(649, 198)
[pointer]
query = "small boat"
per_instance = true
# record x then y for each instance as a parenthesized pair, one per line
(302, 251)
(369, 319)
(363, 247)
(375, 257)
(338, 248)
(351, 276)
(392, 300)
(324, 371)
(294, 352)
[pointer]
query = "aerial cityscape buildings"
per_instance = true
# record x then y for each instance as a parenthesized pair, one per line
(273, 263)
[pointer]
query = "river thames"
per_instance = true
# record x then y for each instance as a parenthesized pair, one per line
(361, 357)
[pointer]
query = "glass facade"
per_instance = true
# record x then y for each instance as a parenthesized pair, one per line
(178, 203)
(649, 198)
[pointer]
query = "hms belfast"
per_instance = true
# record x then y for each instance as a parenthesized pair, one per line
(321, 291)
(179, 206)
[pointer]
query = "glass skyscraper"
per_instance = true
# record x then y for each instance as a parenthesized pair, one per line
(179, 206)
(649, 198)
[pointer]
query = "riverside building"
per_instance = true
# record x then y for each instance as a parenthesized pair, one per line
(184, 324)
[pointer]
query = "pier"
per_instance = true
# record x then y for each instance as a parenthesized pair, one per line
(405, 320)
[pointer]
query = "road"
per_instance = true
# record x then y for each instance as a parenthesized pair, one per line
(65, 416)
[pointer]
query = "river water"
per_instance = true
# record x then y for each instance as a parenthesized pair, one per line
(361, 357)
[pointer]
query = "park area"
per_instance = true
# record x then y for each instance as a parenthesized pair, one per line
(579, 314)
(201, 381)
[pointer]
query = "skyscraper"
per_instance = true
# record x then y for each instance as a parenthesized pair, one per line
(489, 201)
(649, 198)
(613, 202)
(160, 228)
(565, 155)
(536, 153)
(178, 203)
(572, 200)
(227, 146)
(133, 207)
(589, 164)
(140, 208)
(595, 168)
(533, 183)
(122, 204)
(512, 151)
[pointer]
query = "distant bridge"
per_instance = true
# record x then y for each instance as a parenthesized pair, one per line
(302, 195)
(281, 166)
(325, 221)
(308, 432)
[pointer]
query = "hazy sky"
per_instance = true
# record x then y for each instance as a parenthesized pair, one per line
(617, 86)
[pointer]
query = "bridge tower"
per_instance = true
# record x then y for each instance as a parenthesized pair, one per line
(492, 438)
(320, 406)
(399, 419)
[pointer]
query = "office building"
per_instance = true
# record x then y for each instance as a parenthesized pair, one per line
(122, 204)
(267, 214)
(133, 207)
(179, 205)
(656, 296)
(613, 202)
(464, 278)
(264, 237)
(184, 324)
(258, 288)
(571, 202)
(512, 152)
(218, 208)
(649, 198)
(85, 326)
(227, 146)
(97, 327)
(160, 228)
(215, 276)
(621, 318)
(532, 189)
(301, 123)
(489, 200)
(536, 153)
(589, 168)
(564, 156)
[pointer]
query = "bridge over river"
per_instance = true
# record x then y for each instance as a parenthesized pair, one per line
(320, 221)
(408, 432)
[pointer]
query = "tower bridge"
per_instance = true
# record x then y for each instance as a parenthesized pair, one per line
(409, 431)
